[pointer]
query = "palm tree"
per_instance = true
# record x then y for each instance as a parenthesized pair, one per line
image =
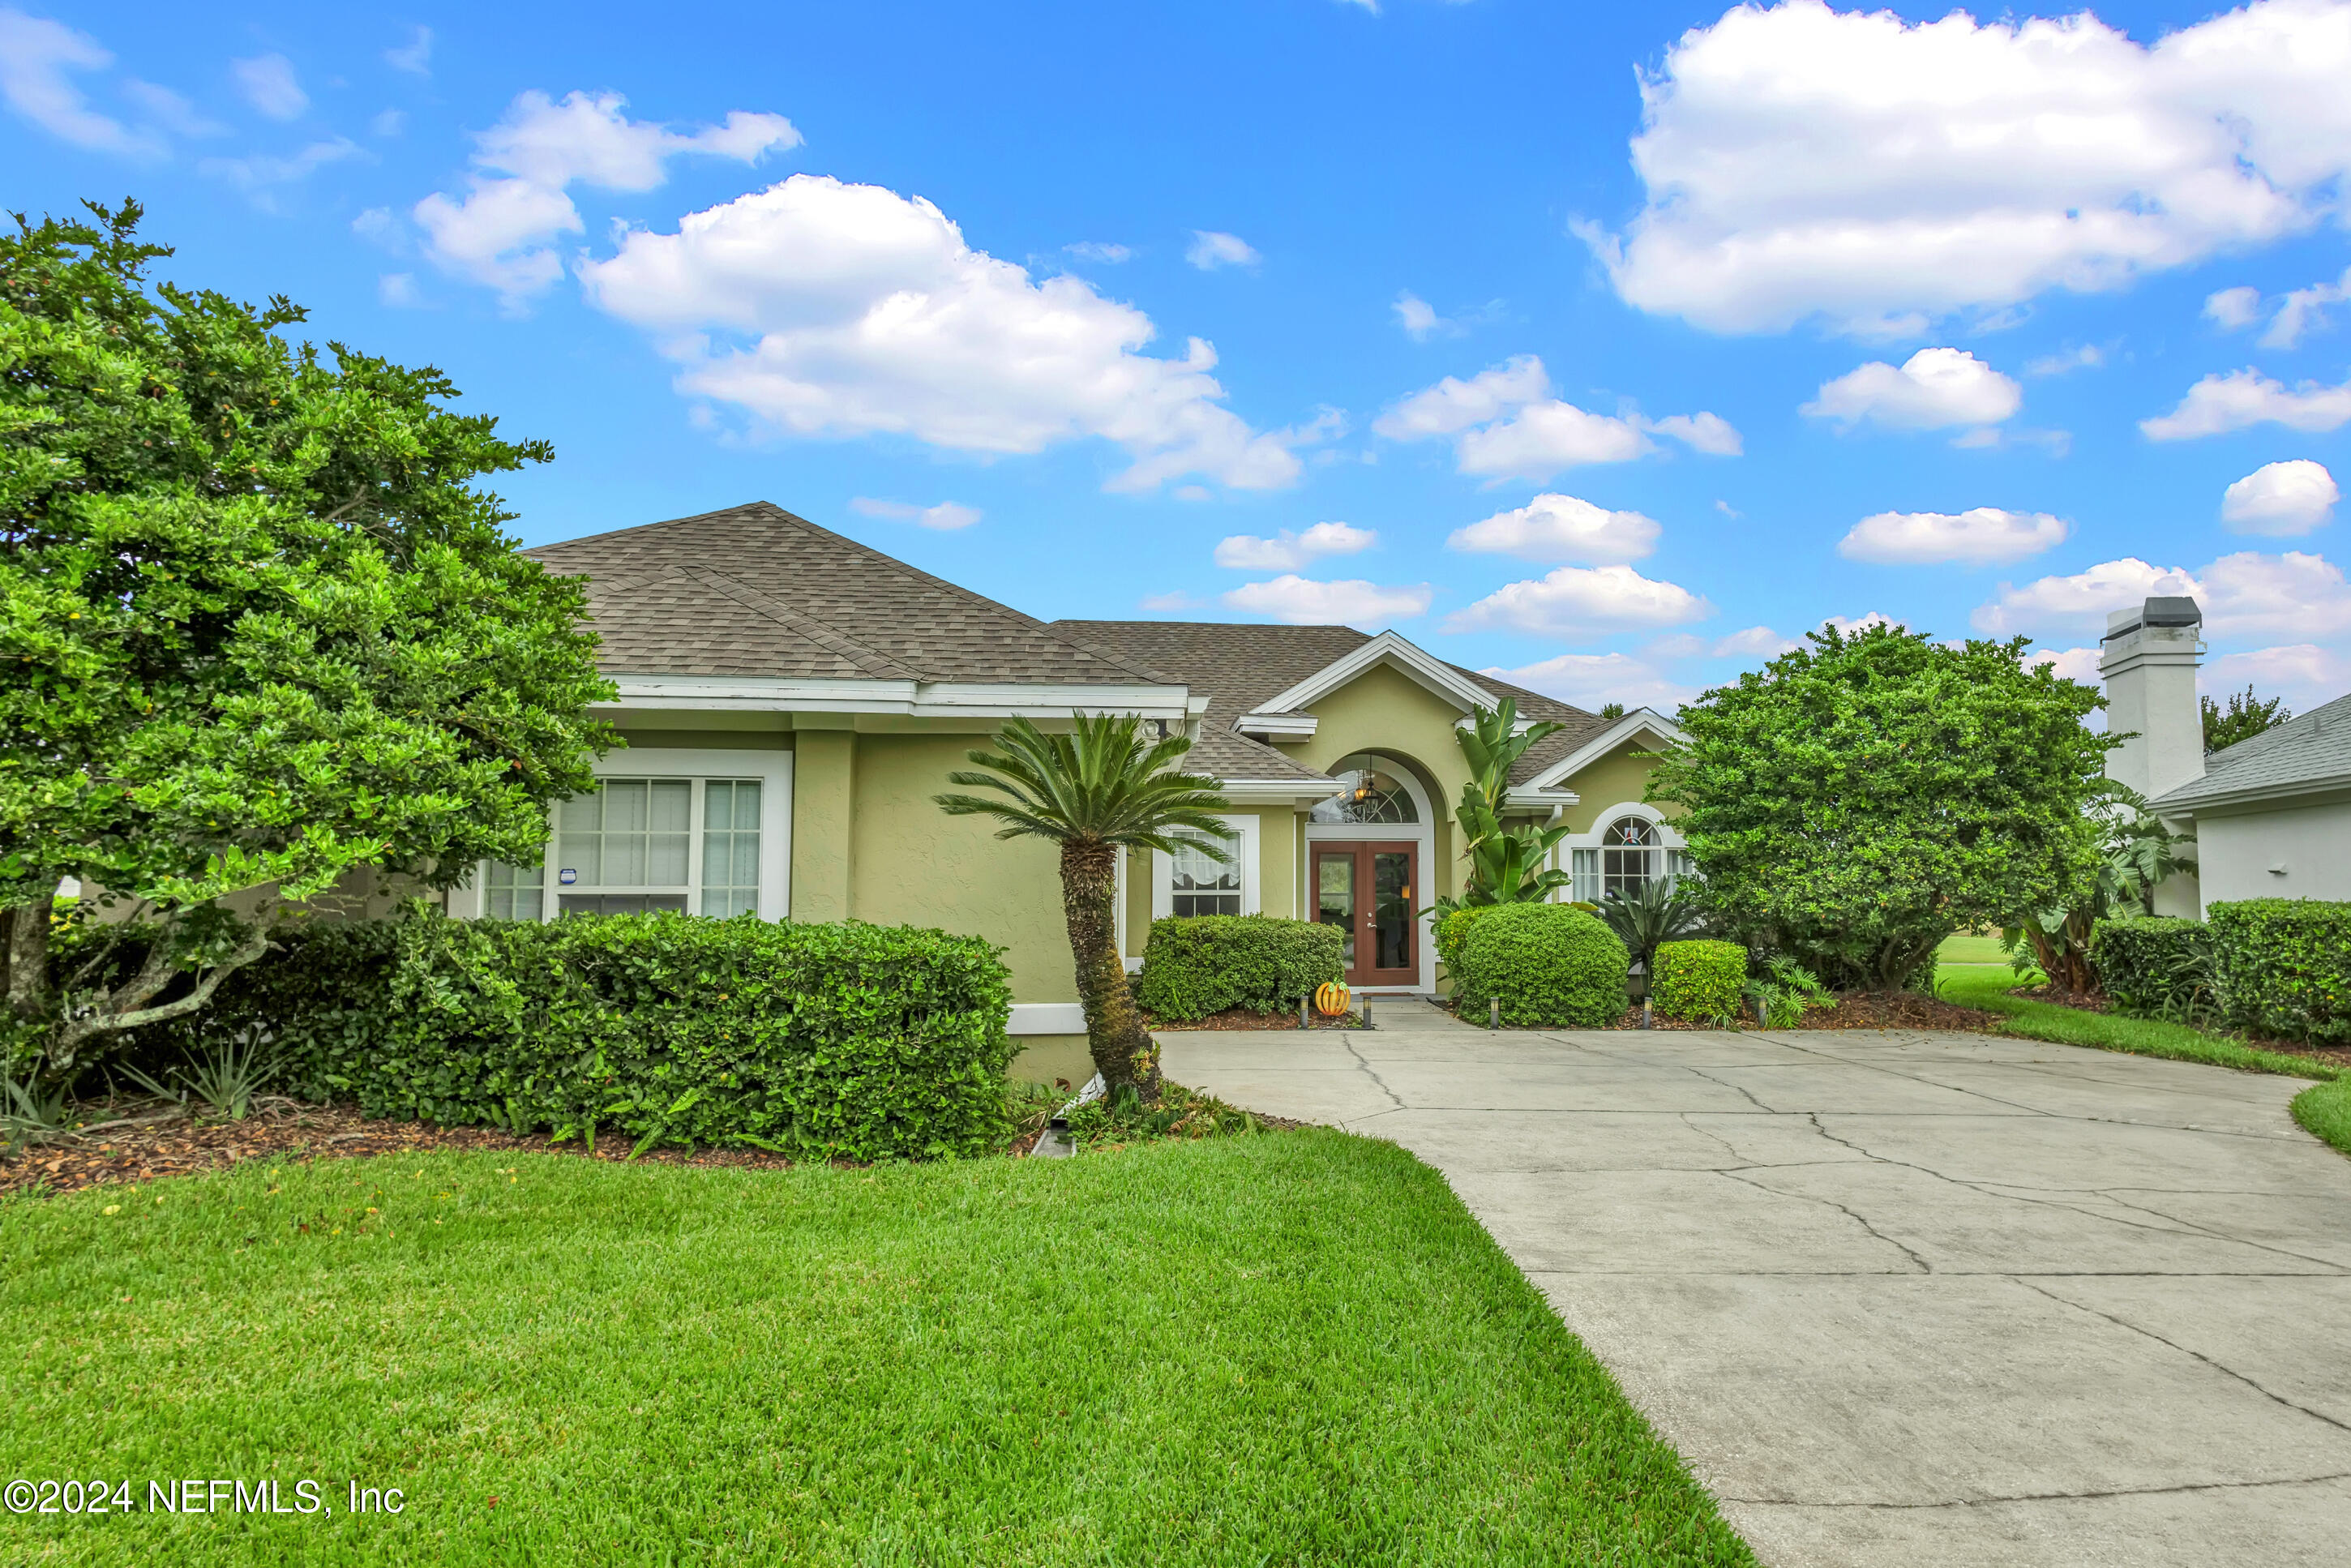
(1096, 792)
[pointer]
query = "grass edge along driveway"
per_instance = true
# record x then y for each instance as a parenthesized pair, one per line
(1291, 1348)
(2323, 1110)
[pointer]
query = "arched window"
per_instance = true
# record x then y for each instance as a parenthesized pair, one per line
(1368, 793)
(1628, 855)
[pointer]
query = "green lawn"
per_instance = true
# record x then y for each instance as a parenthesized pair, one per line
(1294, 1348)
(1966, 949)
(2324, 1111)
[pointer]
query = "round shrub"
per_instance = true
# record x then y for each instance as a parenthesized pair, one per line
(1698, 980)
(1201, 963)
(1452, 930)
(1551, 966)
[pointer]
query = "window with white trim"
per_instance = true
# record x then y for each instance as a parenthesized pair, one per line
(1628, 855)
(1199, 885)
(634, 846)
(514, 892)
(1585, 873)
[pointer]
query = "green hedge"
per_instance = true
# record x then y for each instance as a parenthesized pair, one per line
(1451, 930)
(1196, 964)
(1698, 980)
(1551, 966)
(2153, 966)
(2284, 966)
(831, 1040)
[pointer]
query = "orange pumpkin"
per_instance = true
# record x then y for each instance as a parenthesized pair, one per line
(1331, 999)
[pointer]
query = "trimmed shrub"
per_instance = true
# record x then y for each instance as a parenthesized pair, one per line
(2284, 966)
(845, 1040)
(2154, 966)
(1698, 980)
(1551, 966)
(1452, 930)
(1196, 964)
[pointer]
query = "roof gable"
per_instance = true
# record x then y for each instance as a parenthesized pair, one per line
(1390, 650)
(2310, 751)
(1551, 777)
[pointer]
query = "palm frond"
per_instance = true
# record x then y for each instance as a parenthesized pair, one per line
(1102, 781)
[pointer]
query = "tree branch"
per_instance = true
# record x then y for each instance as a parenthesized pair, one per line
(97, 1023)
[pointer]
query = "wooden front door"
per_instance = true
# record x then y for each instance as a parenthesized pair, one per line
(1366, 891)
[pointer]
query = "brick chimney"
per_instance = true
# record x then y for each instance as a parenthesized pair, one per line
(2148, 660)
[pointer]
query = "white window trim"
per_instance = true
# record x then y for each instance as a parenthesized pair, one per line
(1163, 869)
(773, 769)
(1563, 856)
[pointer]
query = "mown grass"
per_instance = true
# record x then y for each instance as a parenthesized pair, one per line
(2323, 1110)
(1289, 1349)
(1964, 949)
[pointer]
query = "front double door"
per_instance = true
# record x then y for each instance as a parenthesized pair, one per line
(1366, 890)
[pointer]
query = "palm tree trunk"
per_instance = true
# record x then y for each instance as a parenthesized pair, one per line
(1122, 1047)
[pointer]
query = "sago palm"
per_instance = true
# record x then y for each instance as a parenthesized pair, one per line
(1096, 792)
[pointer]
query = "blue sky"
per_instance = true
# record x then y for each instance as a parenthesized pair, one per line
(1613, 346)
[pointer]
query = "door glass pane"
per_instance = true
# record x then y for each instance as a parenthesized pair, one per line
(1334, 902)
(1391, 910)
(730, 847)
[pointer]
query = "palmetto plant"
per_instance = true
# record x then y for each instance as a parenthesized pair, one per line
(1099, 789)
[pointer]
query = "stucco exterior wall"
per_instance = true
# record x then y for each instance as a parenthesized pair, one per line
(910, 864)
(2234, 853)
(1613, 779)
(1387, 712)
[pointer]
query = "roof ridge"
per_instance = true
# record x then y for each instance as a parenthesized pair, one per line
(880, 665)
(955, 588)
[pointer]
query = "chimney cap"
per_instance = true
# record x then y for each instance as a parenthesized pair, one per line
(2163, 611)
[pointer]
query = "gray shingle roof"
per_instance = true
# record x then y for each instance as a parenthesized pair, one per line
(754, 590)
(2308, 752)
(1238, 667)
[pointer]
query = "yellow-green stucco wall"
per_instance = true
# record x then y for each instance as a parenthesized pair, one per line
(1617, 779)
(1387, 712)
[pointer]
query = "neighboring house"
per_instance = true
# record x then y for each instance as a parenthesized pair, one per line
(2271, 815)
(792, 700)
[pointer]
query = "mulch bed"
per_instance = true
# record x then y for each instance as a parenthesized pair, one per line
(1886, 1010)
(174, 1144)
(1241, 1017)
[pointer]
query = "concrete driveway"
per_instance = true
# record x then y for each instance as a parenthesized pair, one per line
(1936, 1299)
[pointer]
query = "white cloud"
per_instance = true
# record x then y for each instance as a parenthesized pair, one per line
(945, 516)
(1102, 251)
(170, 110)
(1553, 527)
(1754, 640)
(1575, 601)
(1982, 536)
(1708, 432)
(2281, 498)
(1934, 388)
(414, 56)
(2246, 594)
(1505, 425)
(2088, 357)
(1210, 250)
(267, 82)
(1592, 681)
(2303, 674)
(824, 308)
(1287, 552)
(499, 233)
(2233, 307)
(2304, 309)
(1420, 319)
(1168, 603)
(2242, 398)
(389, 122)
(398, 291)
(37, 59)
(1803, 162)
(2071, 663)
(1849, 624)
(1301, 601)
(259, 176)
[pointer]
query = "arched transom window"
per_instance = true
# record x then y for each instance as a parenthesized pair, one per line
(1368, 793)
(1628, 855)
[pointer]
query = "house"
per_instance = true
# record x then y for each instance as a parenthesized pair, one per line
(792, 700)
(2271, 815)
